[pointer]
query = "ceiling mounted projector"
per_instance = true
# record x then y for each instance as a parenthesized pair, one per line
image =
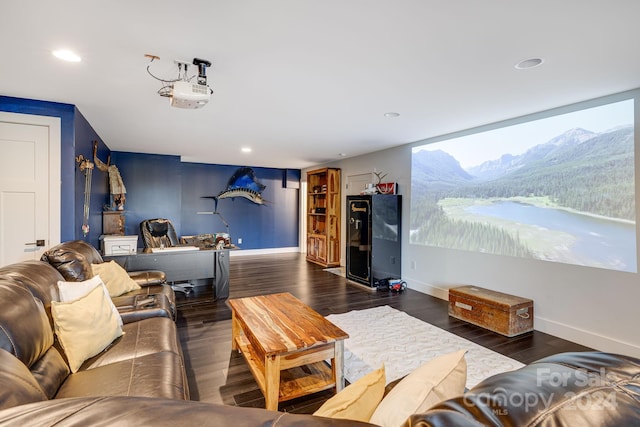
(189, 95)
(182, 91)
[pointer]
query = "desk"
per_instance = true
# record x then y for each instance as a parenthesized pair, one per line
(183, 266)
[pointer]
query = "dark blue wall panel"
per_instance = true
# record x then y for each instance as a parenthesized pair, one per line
(163, 187)
(271, 225)
(153, 188)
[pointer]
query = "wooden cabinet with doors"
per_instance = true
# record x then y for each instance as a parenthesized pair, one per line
(323, 216)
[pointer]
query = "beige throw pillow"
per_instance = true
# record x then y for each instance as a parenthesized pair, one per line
(85, 326)
(435, 381)
(358, 400)
(71, 291)
(115, 278)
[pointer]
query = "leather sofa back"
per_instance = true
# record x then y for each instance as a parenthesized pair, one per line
(27, 336)
(80, 246)
(24, 326)
(73, 259)
(37, 277)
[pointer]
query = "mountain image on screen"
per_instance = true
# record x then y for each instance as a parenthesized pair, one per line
(570, 199)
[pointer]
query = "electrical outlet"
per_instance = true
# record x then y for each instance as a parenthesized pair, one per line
(413, 265)
(239, 240)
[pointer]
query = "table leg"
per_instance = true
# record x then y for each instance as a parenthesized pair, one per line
(272, 382)
(235, 331)
(337, 365)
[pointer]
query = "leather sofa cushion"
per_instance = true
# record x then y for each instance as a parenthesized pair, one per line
(18, 385)
(143, 411)
(147, 336)
(25, 330)
(50, 371)
(152, 375)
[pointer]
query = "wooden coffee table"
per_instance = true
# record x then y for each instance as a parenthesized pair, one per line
(285, 344)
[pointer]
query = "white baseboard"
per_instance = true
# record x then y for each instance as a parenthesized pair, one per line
(551, 327)
(246, 252)
(587, 338)
(428, 289)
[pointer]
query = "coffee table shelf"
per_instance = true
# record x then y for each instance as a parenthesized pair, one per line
(296, 381)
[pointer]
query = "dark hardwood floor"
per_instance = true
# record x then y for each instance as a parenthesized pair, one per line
(217, 374)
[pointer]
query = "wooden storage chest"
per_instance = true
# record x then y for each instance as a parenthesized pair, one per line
(499, 312)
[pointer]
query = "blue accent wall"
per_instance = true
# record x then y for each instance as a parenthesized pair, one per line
(164, 187)
(271, 225)
(153, 188)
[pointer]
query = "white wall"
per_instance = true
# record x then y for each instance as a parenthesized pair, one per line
(591, 306)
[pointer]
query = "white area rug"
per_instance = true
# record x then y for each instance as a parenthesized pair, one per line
(403, 343)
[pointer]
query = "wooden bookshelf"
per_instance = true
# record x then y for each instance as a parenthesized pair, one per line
(323, 216)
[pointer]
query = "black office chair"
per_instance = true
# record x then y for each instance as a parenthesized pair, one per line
(160, 233)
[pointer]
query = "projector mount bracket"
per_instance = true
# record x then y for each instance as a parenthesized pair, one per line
(183, 67)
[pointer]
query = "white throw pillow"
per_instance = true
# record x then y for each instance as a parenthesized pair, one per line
(71, 291)
(435, 381)
(85, 326)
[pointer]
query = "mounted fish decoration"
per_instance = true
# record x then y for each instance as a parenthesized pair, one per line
(243, 183)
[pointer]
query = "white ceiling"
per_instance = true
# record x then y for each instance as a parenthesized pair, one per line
(300, 81)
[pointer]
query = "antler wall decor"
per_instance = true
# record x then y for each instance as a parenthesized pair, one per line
(116, 185)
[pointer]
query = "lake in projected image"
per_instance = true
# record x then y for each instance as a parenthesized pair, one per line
(558, 189)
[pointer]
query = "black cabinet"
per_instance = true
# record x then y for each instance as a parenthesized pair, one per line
(373, 237)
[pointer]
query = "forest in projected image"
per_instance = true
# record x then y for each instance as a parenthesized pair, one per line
(556, 189)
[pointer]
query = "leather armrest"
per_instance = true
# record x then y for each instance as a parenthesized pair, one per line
(148, 277)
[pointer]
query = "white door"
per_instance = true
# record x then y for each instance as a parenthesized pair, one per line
(29, 186)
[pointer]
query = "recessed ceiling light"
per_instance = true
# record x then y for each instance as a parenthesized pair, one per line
(391, 114)
(529, 63)
(246, 149)
(66, 55)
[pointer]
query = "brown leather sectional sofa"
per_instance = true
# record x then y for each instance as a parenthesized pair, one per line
(145, 361)
(140, 379)
(73, 261)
